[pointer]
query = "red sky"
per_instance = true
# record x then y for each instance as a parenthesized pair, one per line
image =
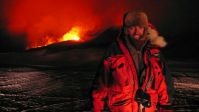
(41, 18)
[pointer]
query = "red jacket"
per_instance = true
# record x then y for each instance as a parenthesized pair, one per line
(117, 81)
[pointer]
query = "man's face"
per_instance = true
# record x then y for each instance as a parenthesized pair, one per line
(135, 31)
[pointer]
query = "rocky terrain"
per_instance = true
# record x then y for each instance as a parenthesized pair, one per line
(25, 89)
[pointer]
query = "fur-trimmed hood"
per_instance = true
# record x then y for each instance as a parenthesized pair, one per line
(154, 38)
(151, 34)
(139, 18)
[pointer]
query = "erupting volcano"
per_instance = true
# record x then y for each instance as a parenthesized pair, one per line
(46, 22)
(72, 35)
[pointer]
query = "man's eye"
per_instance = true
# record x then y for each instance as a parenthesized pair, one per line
(130, 28)
(139, 27)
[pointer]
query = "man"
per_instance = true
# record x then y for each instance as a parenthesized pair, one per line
(133, 76)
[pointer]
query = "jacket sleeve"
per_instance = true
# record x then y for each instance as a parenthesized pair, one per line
(100, 88)
(165, 87)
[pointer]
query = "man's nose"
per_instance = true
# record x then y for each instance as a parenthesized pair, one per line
(137, 30)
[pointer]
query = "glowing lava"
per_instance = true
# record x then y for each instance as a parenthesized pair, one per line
(73, 34)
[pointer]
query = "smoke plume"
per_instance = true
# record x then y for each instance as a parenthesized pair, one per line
(44, 20)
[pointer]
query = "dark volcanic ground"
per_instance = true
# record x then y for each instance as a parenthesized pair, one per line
(59, 78)
(25, 89)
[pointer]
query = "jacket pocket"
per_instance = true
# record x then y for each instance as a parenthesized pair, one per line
(119, 96)
(120, 71)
